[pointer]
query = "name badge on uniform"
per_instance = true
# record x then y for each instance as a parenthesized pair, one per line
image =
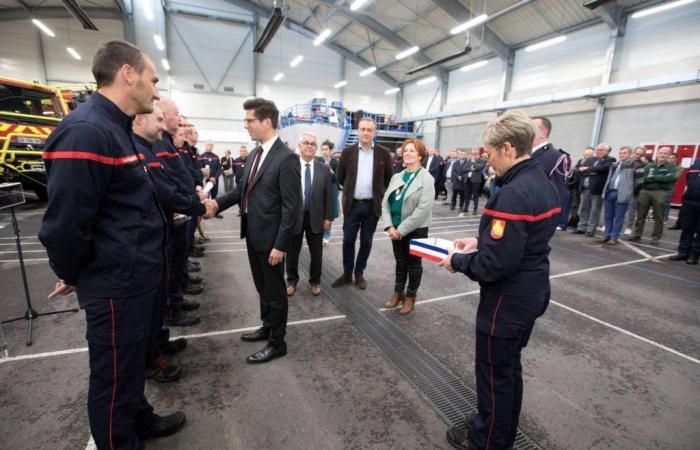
(498, 228)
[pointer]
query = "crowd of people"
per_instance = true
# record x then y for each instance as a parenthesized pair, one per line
(127, 188)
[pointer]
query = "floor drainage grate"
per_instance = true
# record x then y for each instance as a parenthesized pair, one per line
(449, 395)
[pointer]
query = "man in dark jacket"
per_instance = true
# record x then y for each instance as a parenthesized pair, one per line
(434, 165)
(239, 164)
(689, 244)
(364, 172)
(511, 265)
(473, 179)
(594, 172)
(105, 234)
(458, 180)
(555, 162)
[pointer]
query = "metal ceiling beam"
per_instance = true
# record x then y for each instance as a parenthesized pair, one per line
(483, 33)
(307, 32)
(56, 12)
(610, 13)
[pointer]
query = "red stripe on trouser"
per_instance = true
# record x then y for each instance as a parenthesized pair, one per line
(493, 391)
(114, 363)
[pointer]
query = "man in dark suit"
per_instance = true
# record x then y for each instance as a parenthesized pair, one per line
(269, 198)
(364, 171)
(458, 180)
(434, 163)
(595, 172)
(318, 215)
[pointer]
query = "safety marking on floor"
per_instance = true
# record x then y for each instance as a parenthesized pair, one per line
(186, 336)
(637, 250)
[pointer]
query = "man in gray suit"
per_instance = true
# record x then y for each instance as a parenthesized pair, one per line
(269, 198)
(318, 215)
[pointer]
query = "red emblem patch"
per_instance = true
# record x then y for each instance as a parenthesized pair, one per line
(498, 228)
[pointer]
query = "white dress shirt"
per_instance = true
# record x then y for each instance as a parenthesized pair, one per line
(365, 172)
(266, 146)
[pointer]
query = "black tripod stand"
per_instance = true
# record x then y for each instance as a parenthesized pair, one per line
(31, 313)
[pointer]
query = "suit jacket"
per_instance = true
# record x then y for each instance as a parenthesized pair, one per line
(435, 166)
(457, 172)
(381, 176)
(321, 206)
(274, 203)
(598, 173)
(473, 171)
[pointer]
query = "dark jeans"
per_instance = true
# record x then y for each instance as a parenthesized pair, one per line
(472, 191)
(408, 267)
(315, 243)
(614, 215)
(455, 193)
(360, 219)
(689, 243)
(269, 282)
(117, 333)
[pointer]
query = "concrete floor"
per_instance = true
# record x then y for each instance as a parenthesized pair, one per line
(612, 364)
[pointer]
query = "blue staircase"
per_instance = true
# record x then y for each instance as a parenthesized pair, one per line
(352, 137)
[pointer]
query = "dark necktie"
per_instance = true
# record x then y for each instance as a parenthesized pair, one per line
(251, 179)
(307, 187)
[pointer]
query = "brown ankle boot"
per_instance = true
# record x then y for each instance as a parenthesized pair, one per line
(394, 301)
(407, 307)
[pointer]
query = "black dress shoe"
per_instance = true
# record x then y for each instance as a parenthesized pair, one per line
(692, 260)
(342, 280)
(195, 279)
(193, 262)
(578, 232)
(261, 334)
(196, 253)
(174, 346)
(678, 257)
(163, 426)
(268, 353)
(457, 437)
(590, 234)
(161, 372)
(219, 216)
(193, 269)
(360, 281)
(189, 305)
(192, 289)
(181, 319)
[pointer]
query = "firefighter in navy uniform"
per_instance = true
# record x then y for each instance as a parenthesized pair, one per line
(174, 197)
(511, 265)
(556, 163)
(105, 233)
(211, 159)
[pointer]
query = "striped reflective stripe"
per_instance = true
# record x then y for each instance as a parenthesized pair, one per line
(522, 217)
(155, 164)
(94, 157)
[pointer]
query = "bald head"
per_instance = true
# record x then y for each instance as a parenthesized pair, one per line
(171, 115)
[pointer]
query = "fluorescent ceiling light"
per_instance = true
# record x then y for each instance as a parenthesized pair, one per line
(392, 91)
(322, 37)
(166, 64)
(408, 52)
(657, 9)
(73, 53)
(279, 76)
(295, 62)
(340, 84)
(147, 11)
(476, 65)
(544, 44)
(43, 28)
(478, 20)
(426, 80)
(357, 4)
(159, 42)
(367, 71)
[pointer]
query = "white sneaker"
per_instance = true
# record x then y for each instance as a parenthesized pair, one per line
(327, 241)
(628, 231)
(560, 228)
(601, 228)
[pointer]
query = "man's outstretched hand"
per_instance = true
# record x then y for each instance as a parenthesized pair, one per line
(61, 288)
(212, 208)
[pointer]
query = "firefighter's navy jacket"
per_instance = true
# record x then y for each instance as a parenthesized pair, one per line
(513, 250)
(103, 229)
(555, 163)
(165, 151)
(189, 157)
(212, 160)
(173, 196)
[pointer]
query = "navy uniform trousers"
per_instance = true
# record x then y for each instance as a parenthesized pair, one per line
(119, 334)
(499, 373)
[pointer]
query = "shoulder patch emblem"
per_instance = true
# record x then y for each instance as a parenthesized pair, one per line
(498, 228)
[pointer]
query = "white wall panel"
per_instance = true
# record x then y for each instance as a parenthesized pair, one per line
(421, 99)
(571, 132)
(19, 52)
(460, 136)
(672, 122)
(663, 43)
(478, 85)
(577, 62)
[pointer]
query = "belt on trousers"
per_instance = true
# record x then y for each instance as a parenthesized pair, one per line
(364, 200)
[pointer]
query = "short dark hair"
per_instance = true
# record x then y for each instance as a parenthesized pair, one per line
(263, 109)
(111, 56)
(545, 122)
(328, 143)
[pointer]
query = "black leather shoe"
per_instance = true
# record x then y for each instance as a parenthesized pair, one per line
(261, 334)
(590, 234)
(633, 239)
(219, 216)
(578, 232)
(195, 279)
(161, 372)
(193, 262)
(181, 319)
(457, 437)
(675, 226)
(268, 353)
(692, 260)
(342, 280)
(163, 426)
(189, 305)
(193, 268)
(360, 281)
(196, 253)
(174, 346)
(678, 257)
(192, 289)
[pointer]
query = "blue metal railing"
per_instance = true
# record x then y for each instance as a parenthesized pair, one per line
(313, 113)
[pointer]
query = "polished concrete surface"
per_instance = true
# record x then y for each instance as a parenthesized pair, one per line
(612, 364)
